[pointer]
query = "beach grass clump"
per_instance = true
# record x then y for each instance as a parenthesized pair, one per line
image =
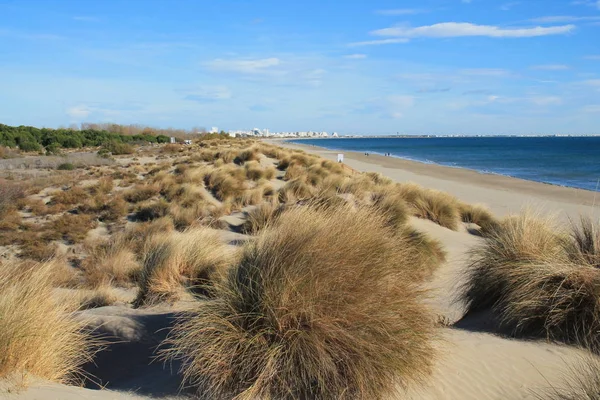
(69, 197)
(393, 206)
(70, 227)
(110, 262)
(317, 308)
(182, 260)
(295, 190)
(295, 171)
(141, 193)
(38, 335)
(151, 210)
(439, 207)
(260, 217)
(426, 251)
(540, 279)
(479, 215)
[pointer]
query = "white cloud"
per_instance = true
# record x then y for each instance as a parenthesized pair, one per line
(562, 18)
(550, 67)
(356, 56)
(595, 83)
(208, 93)
(592, 57)
(546, 100)
(79, 112)
(256, 66)
(399, 11)
(488, 72)
(85, 18)
(401, 101)
(592, 108)
(508, 6)
(462, 29)
(378, 42)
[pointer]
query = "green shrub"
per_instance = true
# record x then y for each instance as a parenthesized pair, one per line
(66, 167)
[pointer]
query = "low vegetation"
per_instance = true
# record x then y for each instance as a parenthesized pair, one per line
(38, 335)
(317, 287)
(540, 279)
(176, 261)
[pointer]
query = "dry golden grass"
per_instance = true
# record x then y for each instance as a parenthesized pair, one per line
(151, 210)
(38, 336)
(101, 296)
(295, 171)
(539, 280)
(480, 215)
(74, 195)
(110, 262)
(318, 308)
(105, 185)
(295, 190)
(393, 206)
(263, 215)
(439, 207)
(176, 261)
(136, 236)
(70, 227)
(10, 193)
(141, 193)
(427, 252)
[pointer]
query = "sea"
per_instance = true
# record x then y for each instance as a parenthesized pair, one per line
(564, 161)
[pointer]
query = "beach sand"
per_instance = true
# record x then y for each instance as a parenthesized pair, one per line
(473, 363)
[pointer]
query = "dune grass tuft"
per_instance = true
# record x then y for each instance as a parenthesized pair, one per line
(176, 261)
(480, 215)
(539, 279)
(38, 336)
(318, 308)
(439, 207)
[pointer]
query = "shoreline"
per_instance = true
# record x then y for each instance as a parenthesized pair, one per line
(438, 164)
(503, 194)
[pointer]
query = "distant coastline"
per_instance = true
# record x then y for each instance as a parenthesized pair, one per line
(568, 161)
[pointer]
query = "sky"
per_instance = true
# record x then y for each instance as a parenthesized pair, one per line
(353, 66)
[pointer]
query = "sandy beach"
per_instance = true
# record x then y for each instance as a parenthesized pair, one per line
(503, 195)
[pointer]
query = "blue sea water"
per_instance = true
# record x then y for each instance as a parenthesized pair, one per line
(565, 161)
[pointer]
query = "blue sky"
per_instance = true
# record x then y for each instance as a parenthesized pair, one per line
(428, 66)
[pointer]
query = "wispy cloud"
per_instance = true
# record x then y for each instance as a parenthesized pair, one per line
(29, 35)
(594, 83)
(208, 93)
(256, 66)
(510, 5)
(86, 18)
(487, 72)
(400, 11)
(546, 100)
(592, 57)
(79, 112)
(434, 90)
(463, 29)
(592, 108)
(563, 18)
(550, 67)
(355, 56)
(378, 42)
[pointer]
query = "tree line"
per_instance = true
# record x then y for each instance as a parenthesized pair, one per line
(29, 138)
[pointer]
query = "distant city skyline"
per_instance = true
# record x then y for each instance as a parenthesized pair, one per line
(441, 67)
